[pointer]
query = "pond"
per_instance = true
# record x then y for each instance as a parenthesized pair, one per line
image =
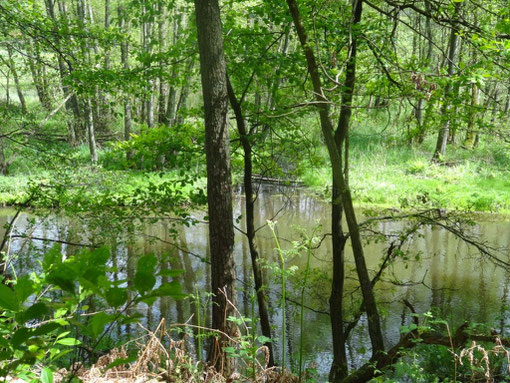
(441, 273)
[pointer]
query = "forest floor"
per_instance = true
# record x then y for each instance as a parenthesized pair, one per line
(384, 172)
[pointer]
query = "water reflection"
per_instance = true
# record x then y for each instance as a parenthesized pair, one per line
(447, 277)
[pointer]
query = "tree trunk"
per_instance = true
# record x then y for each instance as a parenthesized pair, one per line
(71, 104)
(183, 97)
(148, 97)
(420, 138)
(172, 93)
(12, 66)
(219, 188)
(334, 150)
(163, 85)
(469, 141)
(91, 137)
(124, 54)
(250, 216)
(106, 27)
(277, 78)
(339, 365)
(37, 75)
(442, 137)
(8, 86)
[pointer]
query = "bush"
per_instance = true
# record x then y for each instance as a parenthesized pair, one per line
(40, 311)
(162, 147)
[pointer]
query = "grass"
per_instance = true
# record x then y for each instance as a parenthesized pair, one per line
(387, 173)
(381, 175)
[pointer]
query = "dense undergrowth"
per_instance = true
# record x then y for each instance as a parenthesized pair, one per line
(385, 171)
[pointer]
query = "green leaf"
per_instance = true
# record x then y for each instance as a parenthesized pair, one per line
(120, 361)
(264, 339)
(8, 299)
(69, 342)
(147, 263)
(52, 257)
(171, 272)
(101, 255)
(98, 322)
(116, 296)
(19, 337)
(171, 289)
(46, 328)
(144, 281)
(64, 277)
(24, 288)
(60, 354)
(5, 355)
(92, 275)
(46, 376)
(36, 311)
(4, 342)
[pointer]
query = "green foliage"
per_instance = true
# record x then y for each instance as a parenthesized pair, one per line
(418, 166)
(163, 147)
(247, 346)
(40, 312)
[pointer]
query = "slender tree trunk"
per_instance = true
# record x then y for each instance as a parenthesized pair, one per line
(107, 22)
(172, 93)
(506, 108)
(442, 137)
(124, 53)
(219, 188)
(339, 365)
(469, 142)
(12, 66)
(91, 137)
(104, 108)
(335, 155)
(163, 85)
(77, 130)
(71, 103)
(250, 216)
(428, 56)
(278, 78)
(8, 86)
(37, 75)
(88, 50)
(148, 97)
(183, 96)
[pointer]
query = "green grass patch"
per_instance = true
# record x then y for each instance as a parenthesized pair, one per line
(386, 173)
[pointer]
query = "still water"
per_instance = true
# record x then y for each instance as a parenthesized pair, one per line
(441, 273)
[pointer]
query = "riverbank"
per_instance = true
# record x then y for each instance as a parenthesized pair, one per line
(383, 174)
(88, 187)
(387, 175)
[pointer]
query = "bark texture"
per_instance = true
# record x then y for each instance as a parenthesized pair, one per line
(219, 188)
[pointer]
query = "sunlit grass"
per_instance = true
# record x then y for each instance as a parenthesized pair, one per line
(385, 172)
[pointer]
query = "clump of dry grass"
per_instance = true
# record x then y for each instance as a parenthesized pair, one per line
(163, 359)
(478, 358)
